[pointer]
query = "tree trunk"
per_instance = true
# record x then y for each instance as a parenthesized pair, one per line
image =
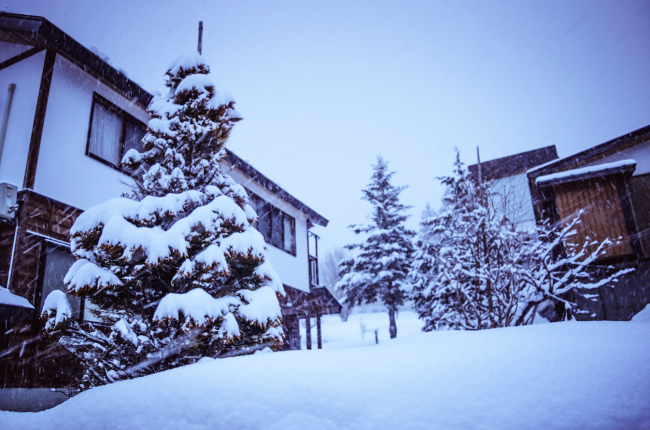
(393, 325)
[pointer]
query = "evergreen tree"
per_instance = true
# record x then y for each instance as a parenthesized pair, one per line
(174, 269)
(379, 270)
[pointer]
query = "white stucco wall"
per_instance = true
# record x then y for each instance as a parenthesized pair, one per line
(64, 171)
(10, 50)
(26, 75)
(66, 174)
(293, 270)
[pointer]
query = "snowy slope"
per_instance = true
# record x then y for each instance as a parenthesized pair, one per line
(588, 375)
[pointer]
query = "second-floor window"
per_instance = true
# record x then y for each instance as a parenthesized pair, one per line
(277, 227)
(112, 133)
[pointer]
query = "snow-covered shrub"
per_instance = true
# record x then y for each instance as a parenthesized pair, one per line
(379, 270)
(471, 270)
(174, 269)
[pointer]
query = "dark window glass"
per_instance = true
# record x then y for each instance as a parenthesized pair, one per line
(113, 132)
(289, 234)
(57, 262)
(277, 229)
(264, 221)
(133, 134)
(105, 134)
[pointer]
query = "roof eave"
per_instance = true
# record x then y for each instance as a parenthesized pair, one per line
(237, 163)
(571, 160)
(625, 170)
(40, 32)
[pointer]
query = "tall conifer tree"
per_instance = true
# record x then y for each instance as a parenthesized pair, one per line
(379, 270)
(174, 269)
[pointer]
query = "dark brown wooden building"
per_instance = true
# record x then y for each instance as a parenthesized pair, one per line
(610, 183)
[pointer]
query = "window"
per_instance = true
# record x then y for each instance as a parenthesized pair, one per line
(56, 261)
(112, 133)
(277, 228)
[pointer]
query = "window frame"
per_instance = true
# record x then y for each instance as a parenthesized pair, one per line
(46, 245)
(293, 252)
(124, 117)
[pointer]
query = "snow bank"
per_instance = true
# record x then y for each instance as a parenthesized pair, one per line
(643, 316)
(589, 375)
(584, 170)
(7, 298)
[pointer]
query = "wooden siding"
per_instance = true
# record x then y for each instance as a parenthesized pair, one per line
(603, 215)
(33, 362)
(44, 216)
(639, 187)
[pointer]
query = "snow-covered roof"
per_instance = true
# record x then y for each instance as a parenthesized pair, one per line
(587, 172)
(7, 298)
(602, 149)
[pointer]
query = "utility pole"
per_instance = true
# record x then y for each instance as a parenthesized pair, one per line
(478, 156)
(200, 37)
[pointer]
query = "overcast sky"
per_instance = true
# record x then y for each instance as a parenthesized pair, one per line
(327, 86)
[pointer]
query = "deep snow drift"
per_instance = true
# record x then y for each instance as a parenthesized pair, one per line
(588, 375)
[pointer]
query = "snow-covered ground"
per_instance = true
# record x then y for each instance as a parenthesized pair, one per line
(339, 334)
(586, 375)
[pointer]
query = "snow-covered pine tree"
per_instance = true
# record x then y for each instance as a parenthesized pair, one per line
(379, 270)
(175, 271)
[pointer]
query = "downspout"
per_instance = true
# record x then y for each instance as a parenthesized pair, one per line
(5, 117)
(3, 133)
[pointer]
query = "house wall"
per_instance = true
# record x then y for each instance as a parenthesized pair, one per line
(514, 201)
(603, 216)
(293, 270)
(9, 50)
(65, 172)
(26, 75)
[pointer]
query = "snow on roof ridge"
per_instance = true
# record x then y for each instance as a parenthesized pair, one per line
(583, 170)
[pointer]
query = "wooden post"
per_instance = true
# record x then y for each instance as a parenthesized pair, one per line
(478, 157)
(200, 37)
(308, 330)
(320, 337)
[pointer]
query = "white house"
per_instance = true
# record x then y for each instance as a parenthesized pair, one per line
(69, 116)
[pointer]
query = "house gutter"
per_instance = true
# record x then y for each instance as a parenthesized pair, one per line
(5, 116)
